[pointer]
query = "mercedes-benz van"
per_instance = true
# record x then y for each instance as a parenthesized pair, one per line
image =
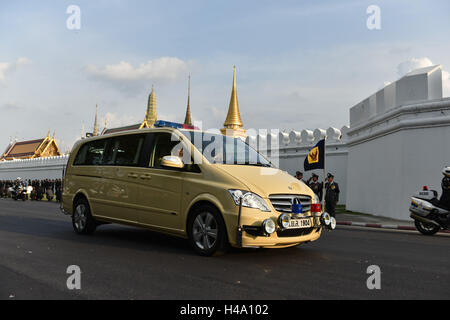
(212, 189)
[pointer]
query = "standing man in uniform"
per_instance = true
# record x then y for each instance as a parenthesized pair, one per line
(299, 176)
(331, 195)
(315, 185)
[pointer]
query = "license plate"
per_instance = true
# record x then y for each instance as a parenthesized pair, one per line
(299, 223)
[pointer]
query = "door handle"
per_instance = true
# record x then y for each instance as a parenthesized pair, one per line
(132, 175)
(146, 176)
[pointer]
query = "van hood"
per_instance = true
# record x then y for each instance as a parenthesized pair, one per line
(265, 181)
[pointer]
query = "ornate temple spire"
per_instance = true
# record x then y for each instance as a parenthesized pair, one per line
(151, 116)
(233, 123)
(95, 132)
(188, 119)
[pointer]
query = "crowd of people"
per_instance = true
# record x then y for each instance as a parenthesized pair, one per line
(331, 190)
(47, 189)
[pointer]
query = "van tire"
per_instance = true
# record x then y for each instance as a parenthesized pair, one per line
(82, 220)
(204, 219)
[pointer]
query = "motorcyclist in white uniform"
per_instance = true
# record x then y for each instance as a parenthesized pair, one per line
(444, 201)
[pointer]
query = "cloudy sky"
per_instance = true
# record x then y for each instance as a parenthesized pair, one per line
(300, 64)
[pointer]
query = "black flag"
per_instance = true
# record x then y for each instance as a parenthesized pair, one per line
(316, 157)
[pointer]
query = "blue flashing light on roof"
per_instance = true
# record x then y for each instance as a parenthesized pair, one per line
(162, 123)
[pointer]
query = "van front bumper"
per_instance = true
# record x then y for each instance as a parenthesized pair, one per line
(250, 232)
(280, 238)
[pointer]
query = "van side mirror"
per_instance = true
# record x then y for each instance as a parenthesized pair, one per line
(172, 162)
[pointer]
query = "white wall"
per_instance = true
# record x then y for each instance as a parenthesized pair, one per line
(418, 85)
(39, 168)
(384, 173)
(395, 154)
(400, 147)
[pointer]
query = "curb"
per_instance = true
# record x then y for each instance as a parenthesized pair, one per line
(381, 226)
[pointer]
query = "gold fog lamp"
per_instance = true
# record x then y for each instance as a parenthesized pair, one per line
(283, 221)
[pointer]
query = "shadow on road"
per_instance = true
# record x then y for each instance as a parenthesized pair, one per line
(113, 235)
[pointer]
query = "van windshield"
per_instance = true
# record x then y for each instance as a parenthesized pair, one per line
(221, 149)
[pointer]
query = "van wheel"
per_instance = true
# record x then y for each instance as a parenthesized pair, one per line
(82, 220)
(207, 231)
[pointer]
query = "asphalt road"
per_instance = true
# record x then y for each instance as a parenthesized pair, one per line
(37, 244)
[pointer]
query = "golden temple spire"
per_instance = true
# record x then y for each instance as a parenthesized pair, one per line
(187, 119)
(95, 133)
(233, 123)
(151, 116)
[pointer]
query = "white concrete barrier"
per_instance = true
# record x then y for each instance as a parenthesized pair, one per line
(38, 168)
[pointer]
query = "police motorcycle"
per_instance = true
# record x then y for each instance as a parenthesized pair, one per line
(431, 214)
(18, 191)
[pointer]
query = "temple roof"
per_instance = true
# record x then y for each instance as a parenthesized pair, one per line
(233, 124)
(233, 119)
(29, 149)
(187, 118)
(151, 115)
(96, 130)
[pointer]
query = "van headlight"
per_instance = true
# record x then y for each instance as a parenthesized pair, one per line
(249, 199)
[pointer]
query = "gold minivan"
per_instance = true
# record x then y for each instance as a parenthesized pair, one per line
(213, 189)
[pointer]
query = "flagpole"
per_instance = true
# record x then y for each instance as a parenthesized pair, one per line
(324, 171)
(312, 166)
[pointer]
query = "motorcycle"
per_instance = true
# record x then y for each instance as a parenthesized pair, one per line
(428, 214)
(18, 193)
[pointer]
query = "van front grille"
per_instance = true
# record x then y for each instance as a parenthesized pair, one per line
(283, 202)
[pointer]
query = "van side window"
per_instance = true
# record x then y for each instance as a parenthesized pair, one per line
(124, 150)
(110, 152)
(90, 154)
(164, 146)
